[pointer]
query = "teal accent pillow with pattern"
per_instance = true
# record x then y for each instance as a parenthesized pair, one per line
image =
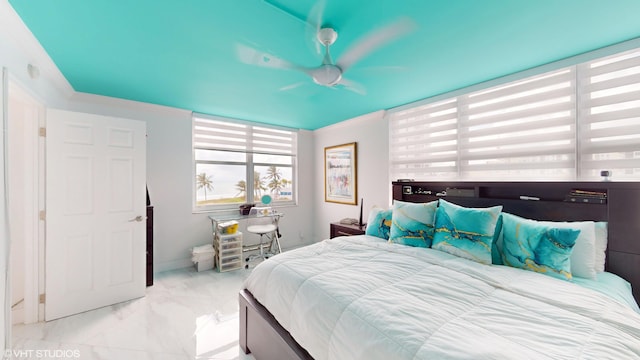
(412, 223)
(496, 257)
(466, 232)
(529, 245)
(379, 223)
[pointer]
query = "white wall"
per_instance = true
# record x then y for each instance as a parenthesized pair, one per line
(371, 133)
(5, 329)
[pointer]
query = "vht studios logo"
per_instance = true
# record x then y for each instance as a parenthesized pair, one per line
(42, 354)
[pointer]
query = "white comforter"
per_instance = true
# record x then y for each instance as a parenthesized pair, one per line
(363, 298)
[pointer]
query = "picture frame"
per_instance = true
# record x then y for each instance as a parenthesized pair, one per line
(341, 174)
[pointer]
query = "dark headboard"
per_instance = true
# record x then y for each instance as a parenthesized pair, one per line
(621, 210)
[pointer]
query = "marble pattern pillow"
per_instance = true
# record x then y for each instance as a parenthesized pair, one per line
(529, 245)
(466, 232)
(412, 223)
(583, 255)
(496, 257)
(379, 223)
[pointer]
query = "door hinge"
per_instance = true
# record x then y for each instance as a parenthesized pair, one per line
(42, 132)
(43, 215)
(42, 298)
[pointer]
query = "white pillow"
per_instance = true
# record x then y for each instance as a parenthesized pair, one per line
(601, 245)
(583, 256)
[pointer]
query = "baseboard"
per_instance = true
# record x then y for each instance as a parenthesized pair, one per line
(159, 267)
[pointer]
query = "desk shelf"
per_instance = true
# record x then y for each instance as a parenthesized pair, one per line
(228, 251)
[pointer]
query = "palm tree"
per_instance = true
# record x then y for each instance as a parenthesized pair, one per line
(241, 186)
(204, 182)
(258, 184)
(275, 180)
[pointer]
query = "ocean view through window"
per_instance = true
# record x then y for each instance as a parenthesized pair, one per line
(237, 162)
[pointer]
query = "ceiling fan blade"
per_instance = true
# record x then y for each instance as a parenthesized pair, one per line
(381, 69)
(292, 86)
(374, 40)
(251, 56)
(314, 24)
(353, 86)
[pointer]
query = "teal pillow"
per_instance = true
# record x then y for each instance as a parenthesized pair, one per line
(379, 223)
(496, 257)
(529, 245)
(412, 223)
(466, 232)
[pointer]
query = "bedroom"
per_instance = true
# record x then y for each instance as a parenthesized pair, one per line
(172, 126)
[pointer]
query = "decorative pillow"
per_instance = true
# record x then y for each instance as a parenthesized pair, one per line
(528, 245)
(496, 257)
(412, 223)
(466, 232)
(601, 245)
(583, 262)
(379, 223)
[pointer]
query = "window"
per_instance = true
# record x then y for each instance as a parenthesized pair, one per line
(565, 124)
(610, 117)
(424, 141)
(521, 130)
(238, 162)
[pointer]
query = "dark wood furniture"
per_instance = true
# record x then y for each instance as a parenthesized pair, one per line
(263, 336)
(338, 229)
(149, 245)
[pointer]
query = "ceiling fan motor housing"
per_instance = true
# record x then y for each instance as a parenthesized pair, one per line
(327, 36)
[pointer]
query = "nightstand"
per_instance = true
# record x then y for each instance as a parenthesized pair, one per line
(338, 229)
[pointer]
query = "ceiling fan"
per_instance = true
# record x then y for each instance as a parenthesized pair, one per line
(330, 73)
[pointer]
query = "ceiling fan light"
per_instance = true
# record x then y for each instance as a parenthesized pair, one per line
(327, 75)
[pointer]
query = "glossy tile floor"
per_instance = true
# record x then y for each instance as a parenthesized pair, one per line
(185, 315)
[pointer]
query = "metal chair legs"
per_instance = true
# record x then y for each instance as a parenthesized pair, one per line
(274, 237)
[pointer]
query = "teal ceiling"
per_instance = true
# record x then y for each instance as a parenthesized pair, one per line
(184, 53)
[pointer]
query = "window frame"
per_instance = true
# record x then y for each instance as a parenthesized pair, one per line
(248, 163)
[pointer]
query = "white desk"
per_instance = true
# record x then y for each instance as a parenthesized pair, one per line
(219, 218)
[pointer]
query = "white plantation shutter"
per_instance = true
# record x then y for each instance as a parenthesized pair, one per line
(212, 134)
(610, 116)
(423, 141)
(520, 130)
(273, 141)
(565, 124)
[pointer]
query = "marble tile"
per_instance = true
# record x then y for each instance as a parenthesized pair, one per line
(184, 315)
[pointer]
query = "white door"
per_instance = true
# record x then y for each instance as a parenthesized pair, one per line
(95, 212)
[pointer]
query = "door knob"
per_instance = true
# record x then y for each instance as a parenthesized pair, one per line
(137, 218)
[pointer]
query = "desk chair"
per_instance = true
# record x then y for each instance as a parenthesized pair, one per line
(263, 221)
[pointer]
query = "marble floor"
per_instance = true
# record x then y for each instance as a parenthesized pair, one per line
(184, 315)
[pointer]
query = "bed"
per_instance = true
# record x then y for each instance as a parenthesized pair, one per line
(365, 298)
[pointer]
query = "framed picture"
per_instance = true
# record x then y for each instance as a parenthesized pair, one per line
(340, 174)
